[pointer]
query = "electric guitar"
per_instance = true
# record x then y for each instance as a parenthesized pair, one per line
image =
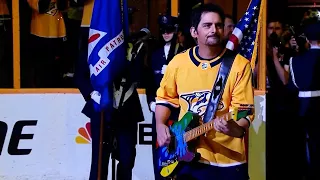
(183, 132)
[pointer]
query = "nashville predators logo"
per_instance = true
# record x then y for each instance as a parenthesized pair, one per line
(52, 10)
(197, 101)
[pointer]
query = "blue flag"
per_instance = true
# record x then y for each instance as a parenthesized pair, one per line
(107, 47)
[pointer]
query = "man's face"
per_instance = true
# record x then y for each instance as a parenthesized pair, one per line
(228, 27)
(181, 37)
(209, 31)
(275, 27)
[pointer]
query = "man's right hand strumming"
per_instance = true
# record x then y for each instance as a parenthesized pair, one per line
(163, 134)
(162, 114)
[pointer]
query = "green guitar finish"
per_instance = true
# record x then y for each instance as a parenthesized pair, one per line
(185, 121)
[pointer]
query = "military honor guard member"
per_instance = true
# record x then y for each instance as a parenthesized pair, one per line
(159, 61)
(305, 78)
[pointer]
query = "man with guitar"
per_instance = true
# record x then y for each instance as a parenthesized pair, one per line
(206, 81)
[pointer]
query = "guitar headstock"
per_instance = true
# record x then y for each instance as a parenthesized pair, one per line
(237, 113)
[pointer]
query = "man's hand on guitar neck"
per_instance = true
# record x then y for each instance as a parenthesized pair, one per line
(231, 127)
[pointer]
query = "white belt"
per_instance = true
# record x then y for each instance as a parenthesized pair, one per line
(307, 94)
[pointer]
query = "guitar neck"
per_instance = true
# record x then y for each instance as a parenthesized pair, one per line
(202, 129)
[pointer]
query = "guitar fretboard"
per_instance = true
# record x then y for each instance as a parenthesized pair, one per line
(202, 129)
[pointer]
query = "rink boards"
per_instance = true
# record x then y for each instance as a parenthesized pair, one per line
(46, 137)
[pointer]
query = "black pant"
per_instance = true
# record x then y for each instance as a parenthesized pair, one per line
(285, 141)
(126, 140)
(312, 128)
(199, 171)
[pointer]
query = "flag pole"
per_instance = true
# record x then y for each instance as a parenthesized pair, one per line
(100, 144)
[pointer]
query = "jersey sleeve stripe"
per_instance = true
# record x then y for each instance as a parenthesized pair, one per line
(166, 103)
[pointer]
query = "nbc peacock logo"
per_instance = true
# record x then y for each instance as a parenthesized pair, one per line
(84, 136)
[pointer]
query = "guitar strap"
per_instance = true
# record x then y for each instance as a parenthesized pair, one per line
(218, 87)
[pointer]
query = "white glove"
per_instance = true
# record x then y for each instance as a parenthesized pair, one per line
(96, 96)
(163, 70)
(153, 106)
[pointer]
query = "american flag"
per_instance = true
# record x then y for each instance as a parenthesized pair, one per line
(244, 36)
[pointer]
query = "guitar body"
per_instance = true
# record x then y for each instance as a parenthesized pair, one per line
(178, 150)
(184, 137)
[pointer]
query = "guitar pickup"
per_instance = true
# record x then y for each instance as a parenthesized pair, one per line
(173, 144)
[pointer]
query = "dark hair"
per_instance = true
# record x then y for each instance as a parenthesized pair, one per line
(205, 8)
(230, 17)
(277, 20)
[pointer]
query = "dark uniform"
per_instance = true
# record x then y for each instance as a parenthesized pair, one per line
(124, 121)
(159, 60)
(280, 113)
(305, 78)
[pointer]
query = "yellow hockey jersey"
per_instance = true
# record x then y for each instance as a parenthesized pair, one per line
(187, 83)
(49, 24)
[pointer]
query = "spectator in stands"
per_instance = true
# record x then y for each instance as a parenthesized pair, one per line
(73, 18)
(48, 33)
